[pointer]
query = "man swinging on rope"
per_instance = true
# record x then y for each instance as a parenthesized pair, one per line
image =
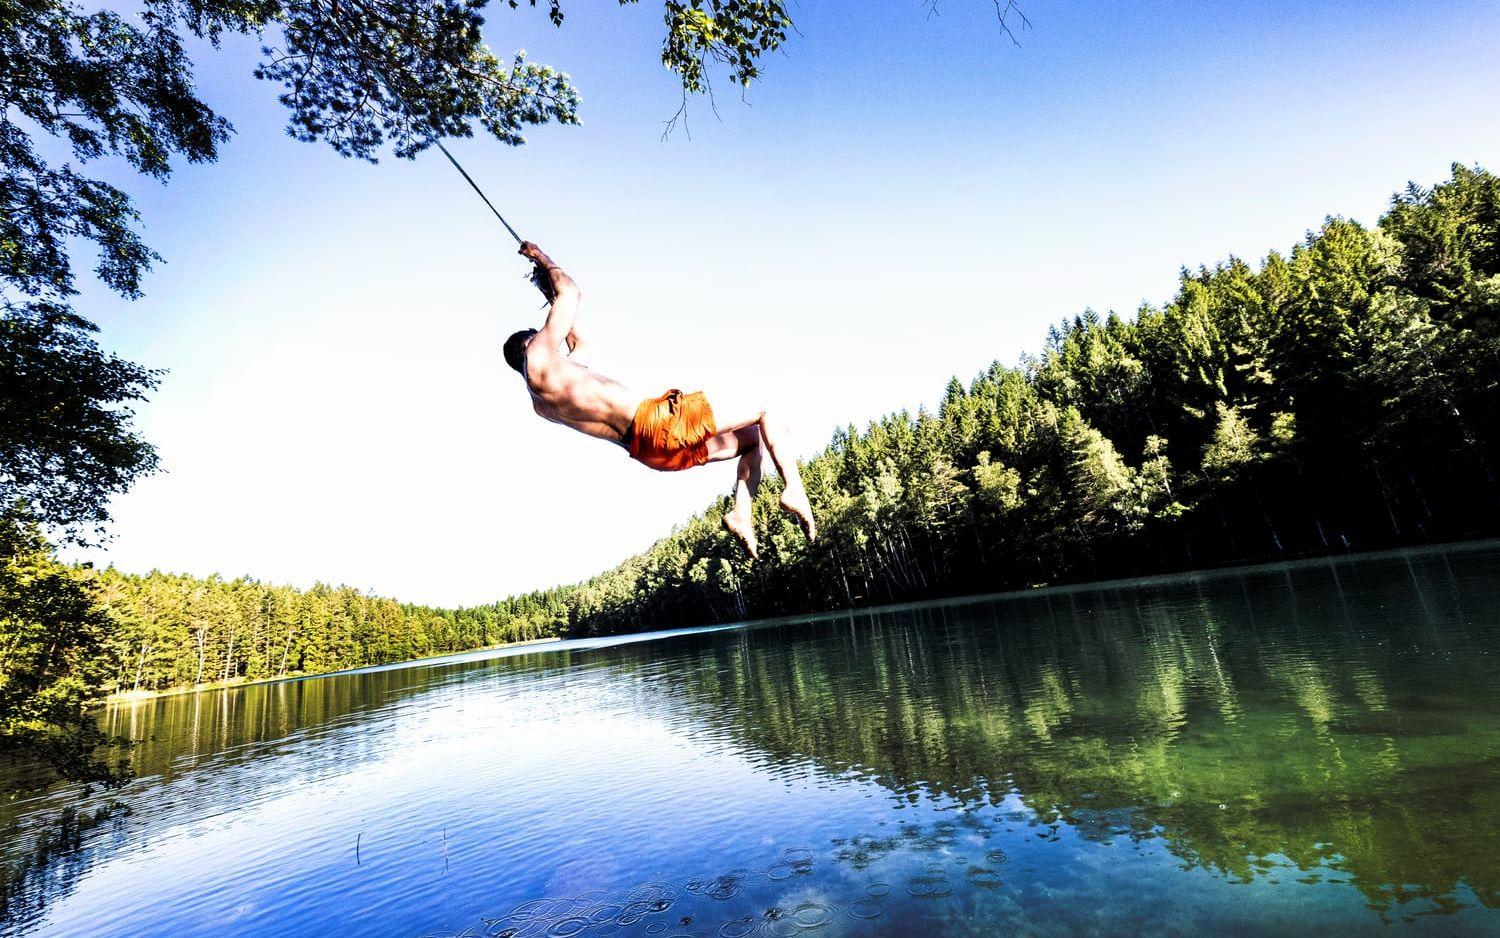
(670, 432)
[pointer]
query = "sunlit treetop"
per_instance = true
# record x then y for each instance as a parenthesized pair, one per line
(362, 73)
(359, 74)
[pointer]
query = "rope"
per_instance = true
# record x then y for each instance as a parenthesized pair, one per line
(539, 277)
(391, 87)
(469, 179)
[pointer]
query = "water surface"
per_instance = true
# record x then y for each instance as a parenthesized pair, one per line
(1314, 747)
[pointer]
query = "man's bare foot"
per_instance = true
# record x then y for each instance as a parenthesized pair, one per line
(795, 503)
(741, 526)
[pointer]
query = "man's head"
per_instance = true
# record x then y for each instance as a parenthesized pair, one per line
(515, 348)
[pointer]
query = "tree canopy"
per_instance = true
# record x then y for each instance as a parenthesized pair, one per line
(53, 659)
(65, 437)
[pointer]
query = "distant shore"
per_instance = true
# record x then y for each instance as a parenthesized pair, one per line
(1304, 559)
(136, 696)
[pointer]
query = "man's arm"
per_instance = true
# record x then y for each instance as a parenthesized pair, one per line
(563, 315)
(577, 348)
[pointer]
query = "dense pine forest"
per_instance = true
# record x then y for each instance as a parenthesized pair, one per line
(1342, 396)
(1339, 397)
(177, 631)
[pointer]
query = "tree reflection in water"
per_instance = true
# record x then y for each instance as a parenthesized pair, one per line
(1340, 718)
(1294, 726)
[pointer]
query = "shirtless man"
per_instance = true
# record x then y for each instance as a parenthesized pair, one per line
(670, 432)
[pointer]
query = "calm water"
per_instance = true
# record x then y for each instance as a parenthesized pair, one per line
(1313, 748)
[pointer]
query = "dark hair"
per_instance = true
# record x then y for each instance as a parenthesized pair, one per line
(515, 349)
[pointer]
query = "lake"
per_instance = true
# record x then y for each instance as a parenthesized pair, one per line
(1311, 747)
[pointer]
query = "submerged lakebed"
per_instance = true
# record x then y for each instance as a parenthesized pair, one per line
(1296, 748)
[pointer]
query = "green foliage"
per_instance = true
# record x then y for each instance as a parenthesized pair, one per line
(66, 444)
(1344, 395)
(1235, 444)
(53, 658)
(109, 84)
(997, 486)
(735, 33)
(1450, 239)
(174, 631)
(1099, 479)
(366, 73)
(359, 74)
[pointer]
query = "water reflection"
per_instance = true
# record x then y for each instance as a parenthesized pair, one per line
(52, 860)
(1296, 715)
(1325, 738)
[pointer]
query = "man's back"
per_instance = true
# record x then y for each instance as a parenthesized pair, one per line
(566, 392)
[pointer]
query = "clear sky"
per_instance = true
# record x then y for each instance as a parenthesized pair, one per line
(901, 199)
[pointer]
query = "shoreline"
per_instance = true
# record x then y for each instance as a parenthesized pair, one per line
(126, 698)
(1305, 560)
(1185, 575)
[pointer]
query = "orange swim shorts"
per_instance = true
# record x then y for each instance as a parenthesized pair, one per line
(671, 432)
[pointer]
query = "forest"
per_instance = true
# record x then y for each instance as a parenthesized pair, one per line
(1341, 396)
(178, 631)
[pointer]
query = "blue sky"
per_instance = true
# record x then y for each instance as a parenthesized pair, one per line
(901, 199)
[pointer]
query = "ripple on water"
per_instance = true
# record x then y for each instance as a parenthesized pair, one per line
(725, 886)
(933, 884)
(795, 861)
(809, 916)
(741, 927)
(569, 926)
(870, 907)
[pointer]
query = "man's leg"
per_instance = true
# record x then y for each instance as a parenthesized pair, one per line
(744, 443)
(772, 433)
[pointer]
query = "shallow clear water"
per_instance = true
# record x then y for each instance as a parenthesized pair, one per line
(1284, 749)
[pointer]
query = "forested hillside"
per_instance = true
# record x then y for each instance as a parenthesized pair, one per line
(176, 631)
(1342, 396)
(1339, 397)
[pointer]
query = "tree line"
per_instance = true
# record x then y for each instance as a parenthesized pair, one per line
(171, 630)
(1340, 396)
